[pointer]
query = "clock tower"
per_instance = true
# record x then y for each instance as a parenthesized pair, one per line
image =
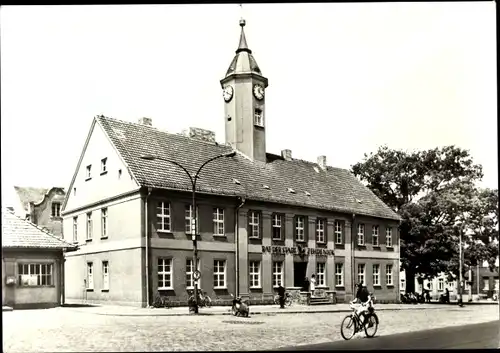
(243, 90)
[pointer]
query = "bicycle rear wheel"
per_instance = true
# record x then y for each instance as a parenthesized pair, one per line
(371, 326)
(348, 327)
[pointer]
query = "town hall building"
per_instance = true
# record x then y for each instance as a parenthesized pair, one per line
(262, 219)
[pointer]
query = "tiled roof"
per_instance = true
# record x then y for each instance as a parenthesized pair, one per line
(332, 189)
(30, 194)
(18, 233)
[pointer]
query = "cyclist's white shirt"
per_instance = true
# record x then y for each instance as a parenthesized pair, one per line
(361, 307)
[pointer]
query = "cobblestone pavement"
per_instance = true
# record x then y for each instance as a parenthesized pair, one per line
(62, 329)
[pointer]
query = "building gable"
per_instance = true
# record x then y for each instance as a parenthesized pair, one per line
(108, 176)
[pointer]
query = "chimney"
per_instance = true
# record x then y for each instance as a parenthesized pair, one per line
(322, 162)
(287, 155)
(199, 134)
(146, 121)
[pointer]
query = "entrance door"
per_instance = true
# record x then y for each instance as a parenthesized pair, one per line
(299, 273)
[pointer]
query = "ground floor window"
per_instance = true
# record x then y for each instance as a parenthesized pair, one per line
(441, 284)
(164, 273)
(361, 273)
(189, 273)
(403, 284)
(35, 274)
(339, 275)
(254, 274)
(321, 274)
(219, 274)
(486, 283)
(376, 275)
(105, 275)
(90, 275)
(388, 275)
(277, 273)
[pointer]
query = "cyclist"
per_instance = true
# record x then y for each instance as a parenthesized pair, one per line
(363, 296)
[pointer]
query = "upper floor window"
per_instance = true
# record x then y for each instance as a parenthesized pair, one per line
(375, 235)
(320, 230)
(218, 221)
(56, 209)
(75, 229)
(338, 232)
(104, 167)
(254, 224)
(163, 221)
(258, 118)
(361, 234)
(89, 226)
(277, 222)
(388, 237)
(88, 170)
(300, 228)
(188, 219)
(104, 223)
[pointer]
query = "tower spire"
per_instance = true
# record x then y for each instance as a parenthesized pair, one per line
(243, 46)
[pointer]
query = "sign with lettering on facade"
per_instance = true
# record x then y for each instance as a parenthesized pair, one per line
(296, 250)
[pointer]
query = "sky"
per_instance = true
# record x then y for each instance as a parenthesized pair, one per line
(344, 78)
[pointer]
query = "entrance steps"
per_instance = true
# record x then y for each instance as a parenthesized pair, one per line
(319, 300)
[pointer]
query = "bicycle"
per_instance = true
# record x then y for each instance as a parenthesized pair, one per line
(288, 299)
(161, 301)
(354, 321)
(205, 300)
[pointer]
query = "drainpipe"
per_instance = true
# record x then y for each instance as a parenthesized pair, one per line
(146, 235)
(353, 242)
(237, 234)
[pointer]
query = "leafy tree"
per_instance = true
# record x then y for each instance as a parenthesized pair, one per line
(430, 190)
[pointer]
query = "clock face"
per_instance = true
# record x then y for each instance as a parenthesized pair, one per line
(227, 93)
(258, 92)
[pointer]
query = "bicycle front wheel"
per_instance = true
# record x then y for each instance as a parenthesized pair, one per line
(371, 326)
(348, 327)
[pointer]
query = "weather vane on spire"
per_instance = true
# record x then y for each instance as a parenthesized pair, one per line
(242, 20)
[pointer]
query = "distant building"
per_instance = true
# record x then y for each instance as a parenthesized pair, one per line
(263, 219)
(32, 264)
(40, 206)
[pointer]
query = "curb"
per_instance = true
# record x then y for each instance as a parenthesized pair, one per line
(7, 308)
(268, 313)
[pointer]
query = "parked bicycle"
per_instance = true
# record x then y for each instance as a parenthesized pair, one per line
(161, 301)
(204, 299)
(288, 299)
(352, 323)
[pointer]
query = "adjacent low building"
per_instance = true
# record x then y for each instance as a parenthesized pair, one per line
(32, 264)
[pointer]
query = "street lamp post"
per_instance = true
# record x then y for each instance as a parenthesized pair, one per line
(192, 179)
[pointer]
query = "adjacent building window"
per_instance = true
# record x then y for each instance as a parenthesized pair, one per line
(320, 230)
(277, 273)
(402, 285)
(254, 274)
(277, 226)
(440, 284)
(90, 275)
(89, 226)
(338, 232)
(339, 275)
(361, 234)
(164, 273)
(104, 167)
(163, 220)
(219, 274)
(388, 275)
(376, 275)
(88, 170)
(30, 275)
(320, 274)
(388, 237)
(218, 221)
(375, 235)
(254, 224)
(105, 275)
(75, 229)
(361, 273)
(104, 223)
(497, 284)
(486, 283)
(56, 209)
(188, 219)
(299, 228)
(189, 273)
(258, 118)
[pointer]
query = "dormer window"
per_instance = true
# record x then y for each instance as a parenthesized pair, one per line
(258, 118)
(104, 167)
